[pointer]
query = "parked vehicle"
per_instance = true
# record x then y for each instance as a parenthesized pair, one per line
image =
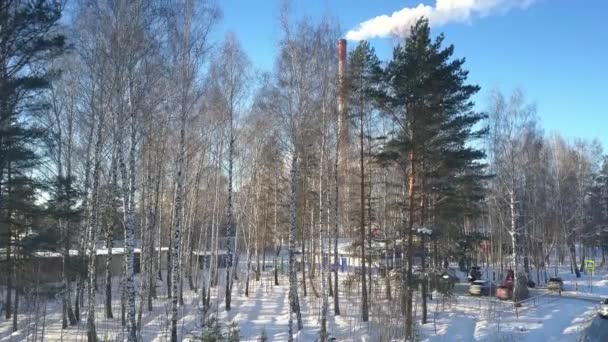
(417, 273)
(450, 275)
(445, 281)
(474, 274)
(555, 284)
(481, 288)
(603, 311)
(504, 292)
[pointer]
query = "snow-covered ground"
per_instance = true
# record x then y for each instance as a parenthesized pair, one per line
(461, 318)
(266, 309)
(543, 318)
(468, 319)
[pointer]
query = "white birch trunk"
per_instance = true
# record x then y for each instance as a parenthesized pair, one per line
(94, 222)
(128, 192)
(84, 231)
(323, 235)
(294, 305)
(513, 234)
(230, 231)
(175, 250)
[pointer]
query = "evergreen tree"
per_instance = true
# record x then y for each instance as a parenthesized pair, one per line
(64, 210)
(363, 80)
(427, 97)
(597, 207)
(28, 40)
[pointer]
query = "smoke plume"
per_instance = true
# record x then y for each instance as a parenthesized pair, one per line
(444, 12)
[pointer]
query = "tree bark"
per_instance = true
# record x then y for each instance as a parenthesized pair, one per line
(294, 306)
(230, 232)
(336, 225)
(10, 262)
(175, 250)
(94, 222)
(410, 250)
(364, 308)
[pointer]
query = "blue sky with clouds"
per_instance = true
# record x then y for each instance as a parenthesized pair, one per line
(555, 50)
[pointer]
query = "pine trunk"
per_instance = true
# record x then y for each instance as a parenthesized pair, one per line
(364, 308)
(410, 248)
(334, 292)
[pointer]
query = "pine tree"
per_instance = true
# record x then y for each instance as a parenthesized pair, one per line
(363, 79)
(64, 209)
(429, 101)
(28, 41)
(28, 235)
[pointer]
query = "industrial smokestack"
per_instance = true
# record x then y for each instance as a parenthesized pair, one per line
(342, 111)
(342, 149)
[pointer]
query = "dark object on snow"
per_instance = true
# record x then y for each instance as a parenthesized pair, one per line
(521, 290)
(603, 311)
(446, 281)
(531, 283)
(510, 276)
(450, 276)
(555, 284)
(475, 274)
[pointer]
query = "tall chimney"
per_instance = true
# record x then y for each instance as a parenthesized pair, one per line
(342, 111)
(342, 148)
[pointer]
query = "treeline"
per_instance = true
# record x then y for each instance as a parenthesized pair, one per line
(130, 123)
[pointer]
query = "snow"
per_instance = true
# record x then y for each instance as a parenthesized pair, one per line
(557, 319)
(424, 231)
(544, 317)
(74, 252)
(219, 252)
(266, 309)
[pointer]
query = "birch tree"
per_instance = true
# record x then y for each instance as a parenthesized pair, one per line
(228, 89)
(189, 26)
(509, 123)
(296, 85)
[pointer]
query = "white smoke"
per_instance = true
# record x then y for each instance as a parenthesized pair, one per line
(444, 12)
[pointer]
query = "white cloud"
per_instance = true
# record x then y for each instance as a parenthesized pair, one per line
(444, 12)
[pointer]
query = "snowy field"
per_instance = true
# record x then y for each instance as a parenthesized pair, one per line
(470, 319)
(545, 317)
(266, 309)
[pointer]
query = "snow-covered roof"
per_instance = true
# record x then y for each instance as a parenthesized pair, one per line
(219, 252)
(74, 252)
(424, 231)
(115, 250)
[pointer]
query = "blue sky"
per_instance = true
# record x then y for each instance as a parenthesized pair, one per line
(556, 51)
